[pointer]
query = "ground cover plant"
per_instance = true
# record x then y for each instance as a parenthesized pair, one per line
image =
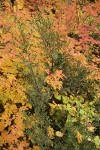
(49, 75)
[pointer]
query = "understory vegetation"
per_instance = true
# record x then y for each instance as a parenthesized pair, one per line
(49, 75)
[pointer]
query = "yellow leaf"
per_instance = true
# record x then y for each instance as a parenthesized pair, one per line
(14, 9)
(19, 4)
(2, 126)
(11, 78)
(36, 148)
(90, 128)
(59, 134)
(50, 132)
(79, 137)
(52, 108)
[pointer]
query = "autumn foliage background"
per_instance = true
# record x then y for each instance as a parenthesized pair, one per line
(49, 75)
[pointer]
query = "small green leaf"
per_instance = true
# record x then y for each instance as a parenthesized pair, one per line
(68, 107)
(97, 142)
(57, 96)
(75, 32)
(82, 112)
(65, 99)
